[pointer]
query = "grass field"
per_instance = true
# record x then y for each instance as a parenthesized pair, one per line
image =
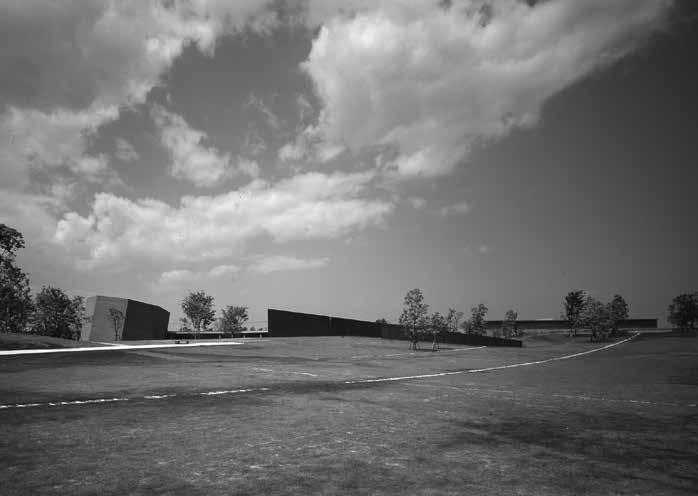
(292, 416)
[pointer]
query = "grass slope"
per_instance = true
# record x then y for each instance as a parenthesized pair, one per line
(619, 421)
(13, 341)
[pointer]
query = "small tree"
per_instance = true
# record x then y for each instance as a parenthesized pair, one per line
(618, 310)
(233, 320)
(453, 320)
(476, 323)
(437, 325)
(414, 316)
(16, 304)
(683, 312)
(116, 317)
(198, 307)
(574, 305)
(509, 326)
(381, 321)
(596, 317)
(57, 314)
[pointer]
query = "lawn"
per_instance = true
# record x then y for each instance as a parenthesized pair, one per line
(18, 341)
(291, 419)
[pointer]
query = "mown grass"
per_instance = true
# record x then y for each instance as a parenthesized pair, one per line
(569, 427)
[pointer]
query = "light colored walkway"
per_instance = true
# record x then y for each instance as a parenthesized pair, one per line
(115, 347)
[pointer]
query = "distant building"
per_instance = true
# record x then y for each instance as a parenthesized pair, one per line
(141, 320)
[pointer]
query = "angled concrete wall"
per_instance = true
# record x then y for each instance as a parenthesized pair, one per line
(145, 321)
(98, 325)
(141, 320)
(286, 324)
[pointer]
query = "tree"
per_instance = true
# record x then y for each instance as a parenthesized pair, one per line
(233, 319)
(509, 326)
(574, 305)
(618, 309)
(596, 317)
(198, 307)
(437, 325)
(683, 311)
(116, 317)
(476, 323)
(453, 319)
(381, 321)
(16, 304)
(57, 315)
(184, 326)
(414, 316)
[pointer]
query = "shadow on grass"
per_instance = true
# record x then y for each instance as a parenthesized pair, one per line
(603, 444)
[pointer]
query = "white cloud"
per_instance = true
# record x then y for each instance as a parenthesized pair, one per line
(276, 263)
(32, 139)
(80, 62)
(125, 151)
(191, 159)
(305, 109)
(430, 80)
(310, 145)
(456, 208)
(248, 167)
(178, 278)
(223, 270)
(417, 202)
(482, 249)
(291, 152)
(121, 232)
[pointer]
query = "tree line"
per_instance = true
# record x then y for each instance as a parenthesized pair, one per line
(420, 325)
(51, 312)
(583, 311)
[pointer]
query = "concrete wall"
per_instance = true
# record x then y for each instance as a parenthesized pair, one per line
(286, 324)
(562, 324)
(98, 325)
(145, 321)
(141, 320)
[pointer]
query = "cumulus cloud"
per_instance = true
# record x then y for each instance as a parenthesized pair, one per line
(111, 52)
(310, 145)
(248, 167)
(191, 159)
(125, 151)
(429, 79)
(32, 139)
(81, 61)
(277, 263)
(178, 278)
(119, 231)
(417, 202)
(456, 208)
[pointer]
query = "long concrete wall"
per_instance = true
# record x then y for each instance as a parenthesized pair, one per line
(283, 323)
(562, 324)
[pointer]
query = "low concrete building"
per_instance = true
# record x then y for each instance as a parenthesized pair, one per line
(140, 320)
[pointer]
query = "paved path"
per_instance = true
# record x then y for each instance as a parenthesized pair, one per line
(115, 347)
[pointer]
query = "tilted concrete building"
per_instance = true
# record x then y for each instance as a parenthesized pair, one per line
(141, 320)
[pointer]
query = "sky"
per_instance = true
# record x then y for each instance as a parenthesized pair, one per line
(327, 157)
